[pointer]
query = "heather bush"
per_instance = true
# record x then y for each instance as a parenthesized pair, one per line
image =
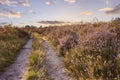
(91, 51)
(96, 58)
(67, 42)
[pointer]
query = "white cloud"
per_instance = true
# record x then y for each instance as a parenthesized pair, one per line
(106, 9)
(86, 13)
(49, 3)
(71, 1)
(14, 3)
(24, 3)
(8, 2)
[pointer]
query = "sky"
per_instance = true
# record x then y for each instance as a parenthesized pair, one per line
(37, 12)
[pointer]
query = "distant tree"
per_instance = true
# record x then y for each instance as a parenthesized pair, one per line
(40, 26)
(27, 26)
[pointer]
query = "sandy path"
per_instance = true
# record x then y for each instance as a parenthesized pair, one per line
(19, 68)
(54, 65)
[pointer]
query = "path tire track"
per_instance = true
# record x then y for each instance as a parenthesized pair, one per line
(54, 64)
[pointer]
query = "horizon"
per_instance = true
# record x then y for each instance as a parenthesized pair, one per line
(30, 12)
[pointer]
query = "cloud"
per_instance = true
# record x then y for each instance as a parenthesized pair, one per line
(15, 15)
(71, 1)
(31, 11)
(115, 10)
(24, 3)
(106, 9)
(8, 2)
(11, 15)
(87, 13)
(14, 3)
(2, 15)
(50, 22)
(49, 3)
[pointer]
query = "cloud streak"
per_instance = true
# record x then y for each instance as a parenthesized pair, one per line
(10, 13)
(14, 3)
(115, 10)
(86, 13)
(106, 9)
(49, 3)
(71, 1)
(50, 22)
(8, 2)
(24, 3)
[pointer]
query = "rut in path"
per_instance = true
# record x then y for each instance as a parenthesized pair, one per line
(18, 69)
(53, 64)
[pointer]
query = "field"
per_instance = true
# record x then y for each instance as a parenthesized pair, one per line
(89, 51)
(59, 39)
(11, 41)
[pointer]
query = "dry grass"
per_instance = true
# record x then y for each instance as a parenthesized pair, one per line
(11, 41)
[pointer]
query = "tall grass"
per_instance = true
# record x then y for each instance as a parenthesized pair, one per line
(11, 41)
(37, 62)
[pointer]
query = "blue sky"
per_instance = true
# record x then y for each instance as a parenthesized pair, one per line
(22, 12)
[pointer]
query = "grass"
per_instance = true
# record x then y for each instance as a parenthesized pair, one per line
(37, 62)
(90, 51)
(11, 41)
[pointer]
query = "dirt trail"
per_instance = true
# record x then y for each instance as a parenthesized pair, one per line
(19, 68)
(54, 65)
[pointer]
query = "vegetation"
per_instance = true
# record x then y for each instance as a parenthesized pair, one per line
(37, 62)
(89, 51)
(11, 41)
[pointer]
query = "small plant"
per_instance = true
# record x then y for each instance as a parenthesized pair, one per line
(32, 76)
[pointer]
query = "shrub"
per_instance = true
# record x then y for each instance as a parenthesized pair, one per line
(97, 58)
